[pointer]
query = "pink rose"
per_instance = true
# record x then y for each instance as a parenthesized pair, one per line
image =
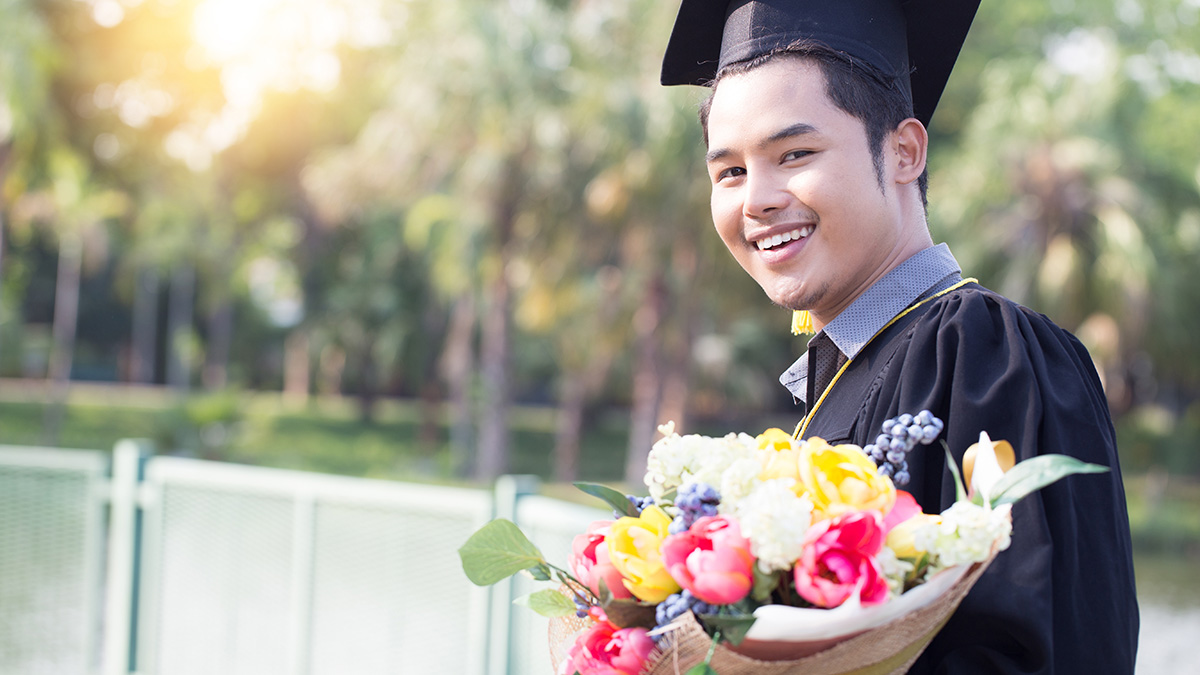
(605, 649)
(590, 564)
(839, 557)
(711, 559)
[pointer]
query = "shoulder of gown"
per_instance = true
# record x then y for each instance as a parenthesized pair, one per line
(1062, 598)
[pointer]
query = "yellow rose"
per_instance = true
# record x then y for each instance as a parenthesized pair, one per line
(842, 479)
(780, 456)
(900, 539)
(633, 545)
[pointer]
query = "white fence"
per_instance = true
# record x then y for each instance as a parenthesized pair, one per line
(170, 566)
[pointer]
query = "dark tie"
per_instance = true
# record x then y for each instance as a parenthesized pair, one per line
(824, 360)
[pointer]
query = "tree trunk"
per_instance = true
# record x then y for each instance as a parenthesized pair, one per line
(677, 361)
(494, 339)
(145, 327)
(179, 327)
(647, 381)
(220, 338)
(457, 368)
(368, 387)
(66, 314)
(5, 153)
(2, 310)
(569, 431)
(296, 368)
(494, 349)
(332, 366)
(579, 387)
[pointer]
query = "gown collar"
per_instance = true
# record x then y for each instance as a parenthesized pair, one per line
(925, 273)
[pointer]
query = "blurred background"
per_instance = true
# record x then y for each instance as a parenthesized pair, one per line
(438, 242)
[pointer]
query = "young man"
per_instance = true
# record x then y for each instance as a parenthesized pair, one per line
(817, 163)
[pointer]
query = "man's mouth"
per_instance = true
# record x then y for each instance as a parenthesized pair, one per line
(781, 239)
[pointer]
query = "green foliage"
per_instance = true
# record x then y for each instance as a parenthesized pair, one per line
(497, 551)
(613, 498)
(530, 144)
(1036, 473)
(731, 627)
(960, 491)
(547, 602)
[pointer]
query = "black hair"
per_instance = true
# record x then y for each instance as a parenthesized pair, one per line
(855, 87)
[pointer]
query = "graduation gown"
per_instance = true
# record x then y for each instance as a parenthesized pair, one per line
(1061, 599)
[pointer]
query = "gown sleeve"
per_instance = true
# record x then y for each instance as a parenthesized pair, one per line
(1061, 599)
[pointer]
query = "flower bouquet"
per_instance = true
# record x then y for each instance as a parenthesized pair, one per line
(770, 555)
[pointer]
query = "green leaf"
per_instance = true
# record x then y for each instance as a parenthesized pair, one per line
(764, 584)
(547, 602)
(1036, 473)
(538, 572)
(613, 498)
(732, 627)
(960, 492)
(498, 551)
(701, 669)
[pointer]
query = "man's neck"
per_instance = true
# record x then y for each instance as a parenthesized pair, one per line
(906, 248)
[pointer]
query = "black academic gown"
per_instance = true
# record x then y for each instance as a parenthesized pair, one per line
(1061, 599)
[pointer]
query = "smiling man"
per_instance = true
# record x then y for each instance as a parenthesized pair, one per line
(816, 135)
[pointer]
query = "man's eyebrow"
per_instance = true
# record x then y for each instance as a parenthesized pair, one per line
(715, 154)
(798, 129)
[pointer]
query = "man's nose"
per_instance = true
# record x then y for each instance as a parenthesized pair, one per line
(766, 193)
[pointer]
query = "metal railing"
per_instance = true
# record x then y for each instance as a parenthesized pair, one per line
(172, 566)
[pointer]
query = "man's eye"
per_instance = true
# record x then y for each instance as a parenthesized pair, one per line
(796, 154)
(731, 172)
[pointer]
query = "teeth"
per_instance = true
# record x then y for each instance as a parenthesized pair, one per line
(772, 242)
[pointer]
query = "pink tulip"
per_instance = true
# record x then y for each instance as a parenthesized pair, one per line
(605, 649)
(838, 557)
(590, 564)
(711, 559)
(905, 507)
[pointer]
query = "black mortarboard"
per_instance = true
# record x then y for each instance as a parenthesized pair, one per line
(915, 41)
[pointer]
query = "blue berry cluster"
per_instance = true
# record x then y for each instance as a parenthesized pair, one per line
(581, 607)
(900, 435)
(677, 604)
(694, 501)
(639, 503)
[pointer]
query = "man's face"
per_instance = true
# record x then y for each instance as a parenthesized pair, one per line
(795, 195)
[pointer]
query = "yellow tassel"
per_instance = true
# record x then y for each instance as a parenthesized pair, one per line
(802, 322)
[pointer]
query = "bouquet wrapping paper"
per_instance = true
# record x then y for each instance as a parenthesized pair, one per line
(890, 648)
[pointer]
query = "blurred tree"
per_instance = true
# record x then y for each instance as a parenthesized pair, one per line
(1066, 194)
(76, 210)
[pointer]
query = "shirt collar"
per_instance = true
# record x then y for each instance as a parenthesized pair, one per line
(926, 272)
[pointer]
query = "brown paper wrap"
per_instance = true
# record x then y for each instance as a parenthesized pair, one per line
(889, 649)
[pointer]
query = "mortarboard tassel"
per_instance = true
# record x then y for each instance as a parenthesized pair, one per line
(802, 322)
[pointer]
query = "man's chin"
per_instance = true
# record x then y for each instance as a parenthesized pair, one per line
(791, 299)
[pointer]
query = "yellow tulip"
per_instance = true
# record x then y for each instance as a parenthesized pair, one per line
(780, 456)
(994, 459)
(900, 539)
(633, 548)
(842, 478)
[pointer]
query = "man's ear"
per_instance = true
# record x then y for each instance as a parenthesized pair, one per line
(910, 142)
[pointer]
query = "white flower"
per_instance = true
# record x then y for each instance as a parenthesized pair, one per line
(739, 480)
(965, 534)
(775, 520)
(675, 460)
(894, 570)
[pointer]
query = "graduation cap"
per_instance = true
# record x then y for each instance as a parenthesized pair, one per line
(914, 41)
